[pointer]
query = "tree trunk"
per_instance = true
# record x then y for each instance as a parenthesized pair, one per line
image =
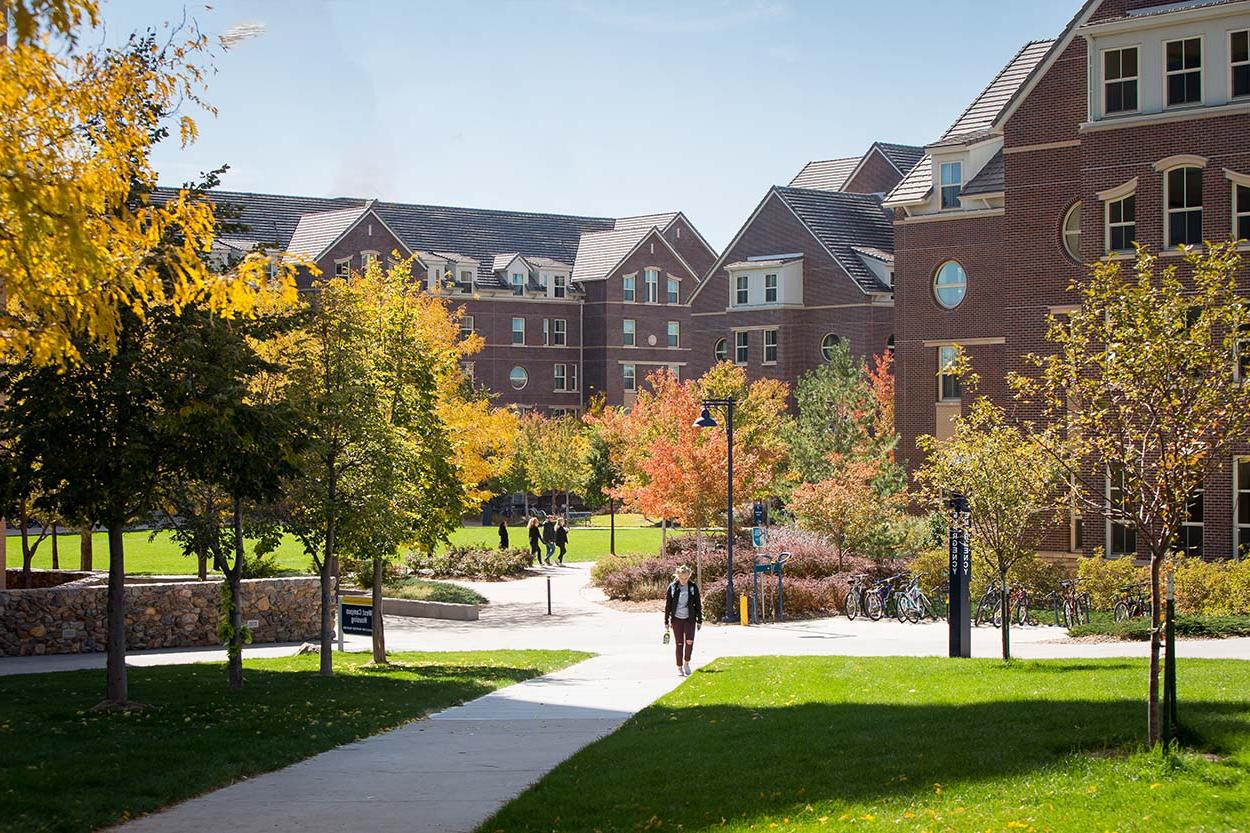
(664, 537)
(379, 637)
(1006, 591)
(234, 575)
(1152, 701)
(612, 526)
(201, 569)
(4, 553)
(56, 553)
(327, 599)
(116, 690)
(27, 553)
(84, 548)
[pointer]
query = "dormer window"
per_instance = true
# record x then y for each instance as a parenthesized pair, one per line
(560, 289)
(952, 183)
(1239, 62)
(1183, 71)
(466, 280)
(1119, 89)
(742, 289)
(518, 283)
(770, 289)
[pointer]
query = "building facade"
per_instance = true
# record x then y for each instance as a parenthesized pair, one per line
(1129, 127)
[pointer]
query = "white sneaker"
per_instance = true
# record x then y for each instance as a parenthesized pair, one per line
(686, 670)
(681, 672)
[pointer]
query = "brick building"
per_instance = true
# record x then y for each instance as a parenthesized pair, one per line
(1130, 126)
(569, 307)
(811, 266)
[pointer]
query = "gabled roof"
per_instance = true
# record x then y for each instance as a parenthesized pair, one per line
(902, 157)
(503, 261)
(874, 253)
(645, 221)
(600, 253)
(826, 175)
(915, 187)
(991, 179)
(547, 263)
(840, 221)
(316, 233)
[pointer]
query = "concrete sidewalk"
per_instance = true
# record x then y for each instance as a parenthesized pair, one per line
(448, 773)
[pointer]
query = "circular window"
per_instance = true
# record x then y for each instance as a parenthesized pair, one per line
(519, 378)
(827, 345)
(950, 285)
(1072, 232)
(720, 351)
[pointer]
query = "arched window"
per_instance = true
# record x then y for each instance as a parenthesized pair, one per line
(720, 352)
(1072, 232)
(519, 378)
(950, 284)
(827, 345)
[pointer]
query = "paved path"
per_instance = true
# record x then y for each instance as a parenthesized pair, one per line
(452, 771)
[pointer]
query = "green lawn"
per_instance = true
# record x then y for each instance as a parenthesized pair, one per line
(909, 745)
(65, 768)
(423, 590)
(161, 556)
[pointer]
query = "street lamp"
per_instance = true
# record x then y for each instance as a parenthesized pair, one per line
(706, 420)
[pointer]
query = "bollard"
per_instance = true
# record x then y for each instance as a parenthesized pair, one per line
(548, 595)
(742, 608)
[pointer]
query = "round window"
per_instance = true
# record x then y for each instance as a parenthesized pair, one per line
(720, 351)
(827, 346)
(1072, 232)
(519, 378)
(950, 285)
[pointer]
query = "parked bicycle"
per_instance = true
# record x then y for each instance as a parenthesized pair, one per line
(912, 604)
(854, 604)
(1069, 604)
(1133, 603)
(879, 600)
(989, 610)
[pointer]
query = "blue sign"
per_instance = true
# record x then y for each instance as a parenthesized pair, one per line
(758, 535)
(758, 511)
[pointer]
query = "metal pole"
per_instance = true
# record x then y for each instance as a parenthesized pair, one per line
(612, 523)
(729, 506)
(548, 595)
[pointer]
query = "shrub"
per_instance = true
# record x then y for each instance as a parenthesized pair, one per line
(265, 566)
(1103, 578)
(472, 563)
(1212, 588)
(1037, 574)
(423, 590)
(1138, 629)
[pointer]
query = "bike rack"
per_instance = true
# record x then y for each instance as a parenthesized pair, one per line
(768, 565)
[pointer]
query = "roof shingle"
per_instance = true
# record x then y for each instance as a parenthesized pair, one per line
(841, 221)
(825, 175)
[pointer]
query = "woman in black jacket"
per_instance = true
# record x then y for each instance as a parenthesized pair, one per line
(503, 534)
(562, 540)
(683, 611)
(535, 550)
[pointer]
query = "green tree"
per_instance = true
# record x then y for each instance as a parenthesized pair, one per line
(1143, 377)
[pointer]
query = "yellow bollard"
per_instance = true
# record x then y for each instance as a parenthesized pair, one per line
(742, 607)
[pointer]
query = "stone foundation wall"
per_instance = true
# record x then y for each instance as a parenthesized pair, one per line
(72, 619)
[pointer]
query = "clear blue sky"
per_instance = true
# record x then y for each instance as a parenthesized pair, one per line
(580, 106)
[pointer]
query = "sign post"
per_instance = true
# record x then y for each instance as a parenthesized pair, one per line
(959, 612)
(355, 616)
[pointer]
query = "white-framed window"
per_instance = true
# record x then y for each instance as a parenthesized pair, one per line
(1239, 63)
(770, 289)
(629, 332)
(1241, 354)
(674, 291)
(518, 377)
(952, 174)
(466, 326)
(1189, 538)
(343, 268)
(741, 347)
(1119, 80)
(1182, 71)
(651, 279)
(1121, 535)
(742, 290)
(950, 389)
(367, 259)
(1122, 224)
(559, 332)
(827, 345)
(770, 347)
(518, 283)
(630, 282)
(1183, 197)
(546, 332)
(518, 330)
(674, 334)
(950, 284)
(466, 280)
(1241, 507)
(1241, 211)
(630, 375)
(720, 351)
(565, 377)
(542, 282)
(1072, 232)
(561, 288)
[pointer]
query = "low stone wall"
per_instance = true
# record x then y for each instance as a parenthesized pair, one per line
(72, 619)
(45, 578)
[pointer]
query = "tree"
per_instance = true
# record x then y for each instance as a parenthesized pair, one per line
(79, 252)
(1143, 378)
(859, 507)
(1011, 483)
(554, 454)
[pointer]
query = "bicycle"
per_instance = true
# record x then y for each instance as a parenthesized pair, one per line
(878, 598)
(1071, 606)
(912, 604)
(1131, 604)
(854, 604)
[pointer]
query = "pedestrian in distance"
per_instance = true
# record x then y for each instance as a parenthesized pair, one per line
(562, 540)
(549, 538)
(534, 541)
(503, 535)
(683, 612)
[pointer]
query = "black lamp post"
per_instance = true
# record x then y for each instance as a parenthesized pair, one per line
(705, 420)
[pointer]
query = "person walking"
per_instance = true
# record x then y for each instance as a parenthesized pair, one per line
(534, 548)
(683, 612)
(549, 537)
(562, 540)
(503, 534)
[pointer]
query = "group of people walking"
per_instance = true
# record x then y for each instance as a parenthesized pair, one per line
(551, 535)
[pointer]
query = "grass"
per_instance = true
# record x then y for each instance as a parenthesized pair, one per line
(424, 590)
(909, 745)
(1138, 629)
(65, 768)
(161, 556)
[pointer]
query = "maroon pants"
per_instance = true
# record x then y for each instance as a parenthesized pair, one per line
(683, 638)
